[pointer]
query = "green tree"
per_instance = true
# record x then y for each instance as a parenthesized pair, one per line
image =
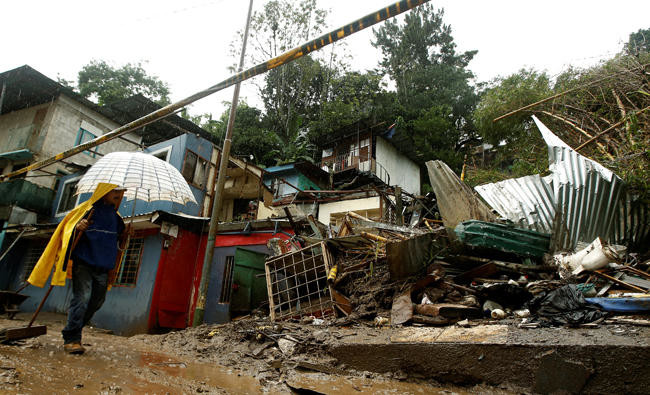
(250, 137)
(434, 86)
(352, 97)
(507, 94)
(292, 93)
(638, 42)
(109, 84)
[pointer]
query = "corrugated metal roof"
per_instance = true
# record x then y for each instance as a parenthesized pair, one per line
(586, 193)
(527, 201)
(579, 201)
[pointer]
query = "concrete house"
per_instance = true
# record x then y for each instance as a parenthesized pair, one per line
(38, 119)
(361, 155)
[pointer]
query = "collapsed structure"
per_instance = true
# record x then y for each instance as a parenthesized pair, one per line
(460, 258)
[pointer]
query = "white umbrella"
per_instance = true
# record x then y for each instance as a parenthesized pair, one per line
(144, 176)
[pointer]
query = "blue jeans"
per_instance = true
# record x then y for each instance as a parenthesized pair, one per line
(89, 285)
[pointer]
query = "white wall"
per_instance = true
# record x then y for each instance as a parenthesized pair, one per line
(17, 129)
(360, 206)
(403, 171)
(60, 133)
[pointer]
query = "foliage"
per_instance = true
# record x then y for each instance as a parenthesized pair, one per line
(350, 98)
(250, 137)
(506, 94)
(638, 42)
(604, 107)
(434, 90)
(291, 96)
(292, 93)
(109, 84)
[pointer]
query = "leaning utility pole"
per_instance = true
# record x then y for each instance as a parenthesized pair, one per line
(218, 194)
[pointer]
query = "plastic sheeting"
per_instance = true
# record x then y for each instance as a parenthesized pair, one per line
(579, 201)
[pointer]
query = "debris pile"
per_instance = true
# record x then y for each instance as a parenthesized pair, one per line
(463, 261)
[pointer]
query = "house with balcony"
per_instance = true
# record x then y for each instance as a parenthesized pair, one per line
(364, 156)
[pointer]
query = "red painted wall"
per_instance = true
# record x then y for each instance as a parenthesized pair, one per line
(179, 274)
(247, 240)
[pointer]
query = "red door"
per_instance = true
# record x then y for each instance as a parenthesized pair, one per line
(175, 280)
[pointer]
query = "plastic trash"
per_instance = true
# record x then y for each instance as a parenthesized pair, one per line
(498, 314)
(489, 306)
(563, 306)
(595, 256)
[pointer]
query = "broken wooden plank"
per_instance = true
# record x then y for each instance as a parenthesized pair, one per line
(448, 310)
(402, 310)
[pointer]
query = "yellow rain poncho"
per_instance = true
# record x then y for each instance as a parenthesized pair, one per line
(55, 251)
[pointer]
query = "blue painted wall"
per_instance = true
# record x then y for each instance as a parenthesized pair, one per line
(215, 312)
(291, 175)
(126, 309)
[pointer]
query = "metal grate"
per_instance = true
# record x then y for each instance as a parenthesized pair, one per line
(130, 266)
(297, 284)
(226, 287)
(34, 252)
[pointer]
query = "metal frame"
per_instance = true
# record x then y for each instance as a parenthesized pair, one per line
(297, 283)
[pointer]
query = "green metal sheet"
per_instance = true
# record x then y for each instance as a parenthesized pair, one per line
(505, 238)
(250, 288)
(21, 154)
(27, 195)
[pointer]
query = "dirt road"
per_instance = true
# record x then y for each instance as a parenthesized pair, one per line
(114, 364)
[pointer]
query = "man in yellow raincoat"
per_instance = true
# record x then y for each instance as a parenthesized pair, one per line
(100, 228)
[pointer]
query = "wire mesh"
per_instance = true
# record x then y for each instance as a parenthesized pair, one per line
(34, 252)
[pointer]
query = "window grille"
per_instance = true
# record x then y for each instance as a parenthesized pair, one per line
(34, 251)
(131, 260)
(298, 283)
(226, 287)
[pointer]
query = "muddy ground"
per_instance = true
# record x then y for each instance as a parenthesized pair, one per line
(232, 358)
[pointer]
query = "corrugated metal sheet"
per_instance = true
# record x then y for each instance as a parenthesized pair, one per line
(456, 201)
(579, 201)
(527, 201)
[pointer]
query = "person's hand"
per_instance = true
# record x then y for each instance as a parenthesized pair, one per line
(82, 225)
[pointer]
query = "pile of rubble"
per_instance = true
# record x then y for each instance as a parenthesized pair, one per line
(522, 256)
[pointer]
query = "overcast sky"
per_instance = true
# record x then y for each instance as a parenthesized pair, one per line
(186, 43)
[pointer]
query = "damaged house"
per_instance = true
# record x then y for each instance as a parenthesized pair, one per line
(162, 267)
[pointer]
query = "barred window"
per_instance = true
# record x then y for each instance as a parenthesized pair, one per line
(226, 287)
(131, 260)
(34, 251)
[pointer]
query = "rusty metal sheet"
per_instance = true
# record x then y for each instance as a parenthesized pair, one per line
(456, 201)
(408, 257)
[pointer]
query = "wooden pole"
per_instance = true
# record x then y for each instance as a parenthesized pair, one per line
(218, 191)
